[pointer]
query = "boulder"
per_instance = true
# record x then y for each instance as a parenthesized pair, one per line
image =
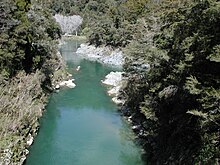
(68, 83)
(113, 78)
(101, 54)
(57, 86)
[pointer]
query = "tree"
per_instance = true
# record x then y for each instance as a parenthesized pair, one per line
(180, 92)
(25, 36)
(69, 24)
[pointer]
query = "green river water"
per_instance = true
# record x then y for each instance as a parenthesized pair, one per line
(82, 126)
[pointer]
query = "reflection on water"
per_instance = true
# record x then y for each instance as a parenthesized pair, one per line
(82, 126)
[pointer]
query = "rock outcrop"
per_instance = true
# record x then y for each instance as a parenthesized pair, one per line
(104, 55)
(114, 81)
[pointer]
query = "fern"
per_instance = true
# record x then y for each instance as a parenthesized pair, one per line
(192, 85)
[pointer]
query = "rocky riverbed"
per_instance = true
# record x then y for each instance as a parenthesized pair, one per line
(24, 99)
(106, 55)
(114, 81)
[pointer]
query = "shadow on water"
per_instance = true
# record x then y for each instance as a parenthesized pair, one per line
(81, 126)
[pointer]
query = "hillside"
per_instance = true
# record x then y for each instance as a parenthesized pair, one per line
(172, 68)
(28, 56)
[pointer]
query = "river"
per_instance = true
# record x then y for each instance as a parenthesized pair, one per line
(82, 126)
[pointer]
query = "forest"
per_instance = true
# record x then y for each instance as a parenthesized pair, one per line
(172, 67)
(28, 60)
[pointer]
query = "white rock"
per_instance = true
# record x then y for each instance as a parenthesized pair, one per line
(114, 91)
(113, 78)
(116, 58)
(129, 120)
(70, 84)
(135, 127)
(30, 140)
(117, 101)
(101, 54)
(78, 68)
(57, 86)
(63, 83)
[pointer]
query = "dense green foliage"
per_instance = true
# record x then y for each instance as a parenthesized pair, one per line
(105, 22)
(27, 34)
(115, 24)
(28, 59)
(180, 93)
(172, 66)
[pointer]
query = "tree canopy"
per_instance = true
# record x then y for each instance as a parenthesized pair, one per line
(172, 67)
(26, 32)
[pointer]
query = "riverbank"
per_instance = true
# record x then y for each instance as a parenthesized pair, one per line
(114, 82)
(17, 130)
(82, 125)
(107, 56)
(23, 100)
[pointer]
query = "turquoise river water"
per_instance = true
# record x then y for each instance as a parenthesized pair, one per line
(82, 126)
